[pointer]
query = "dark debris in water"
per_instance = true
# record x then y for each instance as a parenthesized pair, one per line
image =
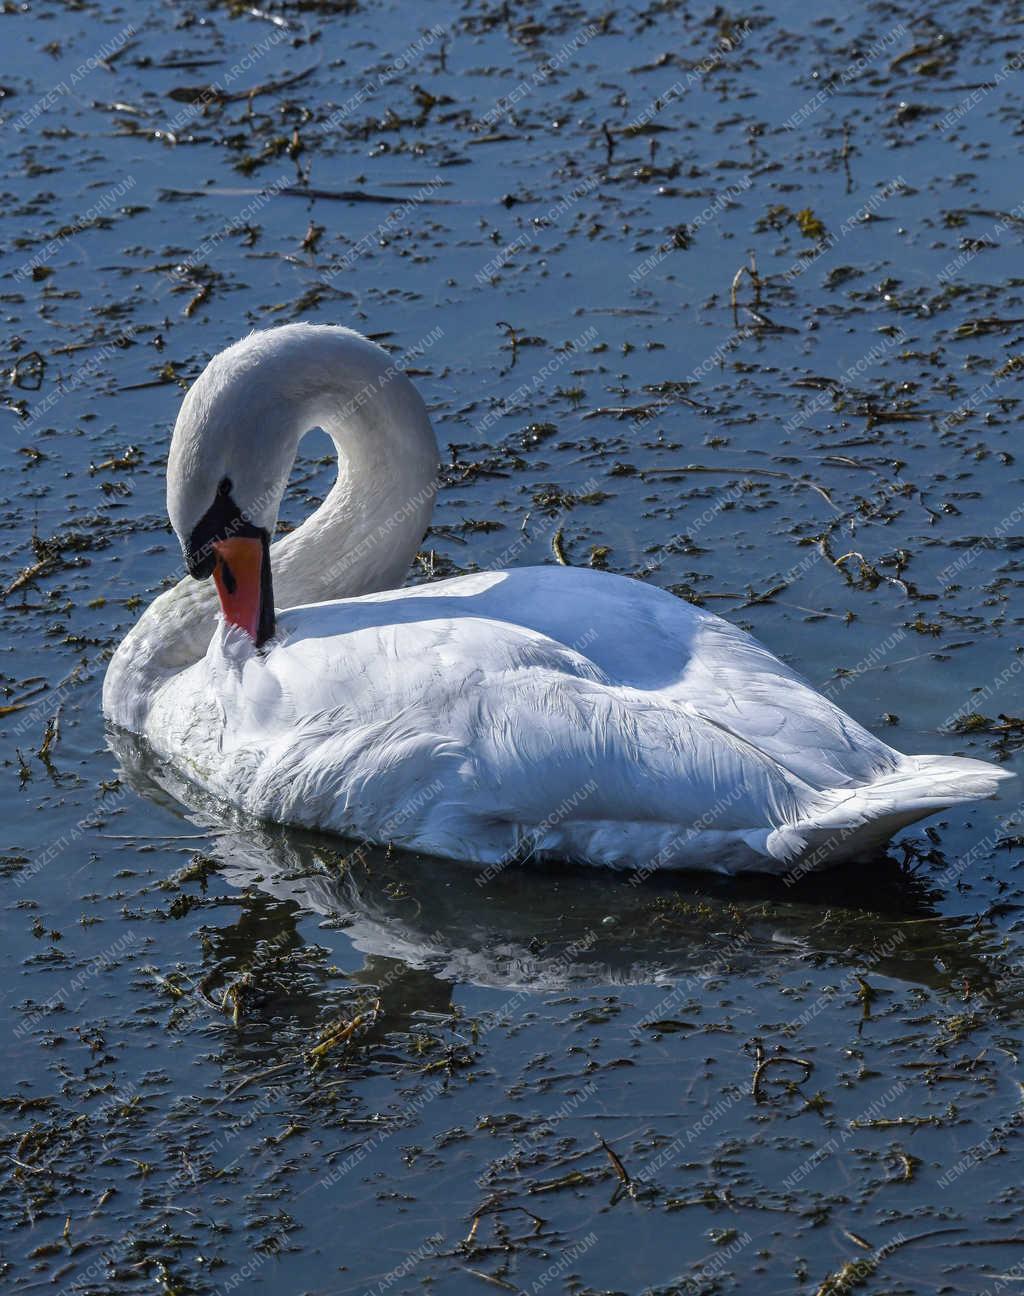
(724, 302)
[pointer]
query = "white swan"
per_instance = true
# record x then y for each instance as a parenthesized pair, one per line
(545, 711)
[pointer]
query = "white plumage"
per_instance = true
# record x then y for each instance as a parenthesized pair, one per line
(545, 711)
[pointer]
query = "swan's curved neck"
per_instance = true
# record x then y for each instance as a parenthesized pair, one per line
(365, 534)
(243, 419)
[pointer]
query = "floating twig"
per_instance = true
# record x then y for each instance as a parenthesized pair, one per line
(214, 94)
(895, 1122)
(175, 991)
(617, 1165)
(557, 548)
(28, 574)
(489, 1278)
(856, 1272)
(23, 1165)
(497, 1208)
(763, 1063)
(751, 272)
(573, 1179)
(36, 368)
(252, 1079)
(345, 1033)
(51, 736)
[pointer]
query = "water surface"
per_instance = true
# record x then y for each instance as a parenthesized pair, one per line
(240, 1058)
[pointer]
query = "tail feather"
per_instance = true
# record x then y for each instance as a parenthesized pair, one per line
(850, 822)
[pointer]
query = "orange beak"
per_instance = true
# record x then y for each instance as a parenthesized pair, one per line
(238, 575)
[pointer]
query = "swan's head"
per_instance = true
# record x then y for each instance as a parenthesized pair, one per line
(226, 473)
(234, 445)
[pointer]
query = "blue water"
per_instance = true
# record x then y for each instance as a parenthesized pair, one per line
(859, 507)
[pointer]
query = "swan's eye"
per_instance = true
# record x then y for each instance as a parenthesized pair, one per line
(224, 488)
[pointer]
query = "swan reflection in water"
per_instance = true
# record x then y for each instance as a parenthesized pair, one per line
(429, 925)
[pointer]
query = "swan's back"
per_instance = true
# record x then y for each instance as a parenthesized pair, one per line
(548, 710)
